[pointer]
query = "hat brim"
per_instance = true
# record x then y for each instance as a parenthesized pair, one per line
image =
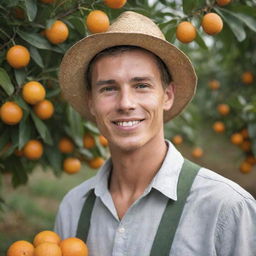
(75, 63)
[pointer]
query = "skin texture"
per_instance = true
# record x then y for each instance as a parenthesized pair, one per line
(128, 87)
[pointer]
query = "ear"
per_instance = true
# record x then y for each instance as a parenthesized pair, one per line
(169, 96)
(90, 104)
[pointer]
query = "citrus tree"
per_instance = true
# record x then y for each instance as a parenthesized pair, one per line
(39, 128)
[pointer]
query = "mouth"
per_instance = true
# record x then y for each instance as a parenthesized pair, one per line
(129, 123)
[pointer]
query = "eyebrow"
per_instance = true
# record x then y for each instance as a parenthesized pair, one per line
(134, 79)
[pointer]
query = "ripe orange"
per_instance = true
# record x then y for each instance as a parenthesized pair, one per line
(218, 127)
(197, 152)
(247, 77)
(236, 138)
(71, 165)
(18, 56)
(103, 141)
(57, 33)
(47, 249)
(115, 4)
(214, 84)
(11, 113)
(66, 145)
(20, 248)
(223, 2)
(212, 23)
(246, 146)
(223, 109)
(44, 109)
(97, 21)
(96, 162)
(47, 1)
(46, 236)
(33, 149)
(33, 92)
(185, 32)
(245, 167)
(88, 141)
(245, 133)
(73, 247)
(177, 139)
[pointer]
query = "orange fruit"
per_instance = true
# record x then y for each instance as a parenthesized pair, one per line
(214, 84)
(251, 159)
(245, 133)
(21, 248)
(247, 77)
(103, 141)
(44, 109)
(11, 113)
(223, 109)
(18, 56)
(66, 145)
(115, 4)
(246, 146)
(223, 2)
(218, 127)
(185, 32)
(57, 33)
(236, 138)
(73, 247)
(96, 162)
(46, 236)
(197, 152)
(33, 92)
(245, 167)
(33, 149)
(71, 165)
(97, 21)
(177, 139)
(47, 1)
(47, 249)
(212, 23)
(88, 141)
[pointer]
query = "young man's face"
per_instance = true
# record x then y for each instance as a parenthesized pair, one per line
(128, 99)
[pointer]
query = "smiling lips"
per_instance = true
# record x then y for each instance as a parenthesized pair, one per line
(129, 123)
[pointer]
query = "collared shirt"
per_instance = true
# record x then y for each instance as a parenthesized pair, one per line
(219, 217)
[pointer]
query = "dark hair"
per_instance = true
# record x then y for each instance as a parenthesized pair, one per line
(117, 50)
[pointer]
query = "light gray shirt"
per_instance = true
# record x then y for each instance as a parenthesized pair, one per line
(219, 217)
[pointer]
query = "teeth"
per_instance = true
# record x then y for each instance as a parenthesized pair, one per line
(127, 124)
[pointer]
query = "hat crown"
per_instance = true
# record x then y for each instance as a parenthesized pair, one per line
(132, 22)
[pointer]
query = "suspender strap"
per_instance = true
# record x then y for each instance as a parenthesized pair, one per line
(171, 216)
(85, 217)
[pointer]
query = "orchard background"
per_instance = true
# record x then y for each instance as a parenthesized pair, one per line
(39, 130)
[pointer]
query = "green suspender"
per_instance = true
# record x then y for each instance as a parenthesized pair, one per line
(170, 218)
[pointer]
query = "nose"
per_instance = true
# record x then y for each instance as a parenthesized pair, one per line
(126, 100)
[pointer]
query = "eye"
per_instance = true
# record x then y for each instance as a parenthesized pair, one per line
(142, 86)
(108, 89)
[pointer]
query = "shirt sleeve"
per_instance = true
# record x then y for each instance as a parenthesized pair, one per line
(236, 229)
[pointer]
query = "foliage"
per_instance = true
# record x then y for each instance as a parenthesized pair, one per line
(223, 57)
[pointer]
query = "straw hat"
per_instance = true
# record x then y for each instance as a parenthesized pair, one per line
(130, 28)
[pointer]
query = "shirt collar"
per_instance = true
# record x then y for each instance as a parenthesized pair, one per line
(165, 181)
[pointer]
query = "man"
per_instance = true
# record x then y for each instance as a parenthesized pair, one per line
(146, 199)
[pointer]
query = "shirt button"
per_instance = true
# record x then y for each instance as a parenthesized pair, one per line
(121, 230)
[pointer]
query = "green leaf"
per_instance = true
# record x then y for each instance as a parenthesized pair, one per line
(19, 174)
(189, 5)
(19, 100)
(24, 131)
(235, 24)
(35, 55)
(4, 138)
(200, 41)
(91, 127)
(38, 41)
(31, 8)
(247, 20)
(20, 76)
(42, 129)
(75, 122)
(55, 159)
(5, 82)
